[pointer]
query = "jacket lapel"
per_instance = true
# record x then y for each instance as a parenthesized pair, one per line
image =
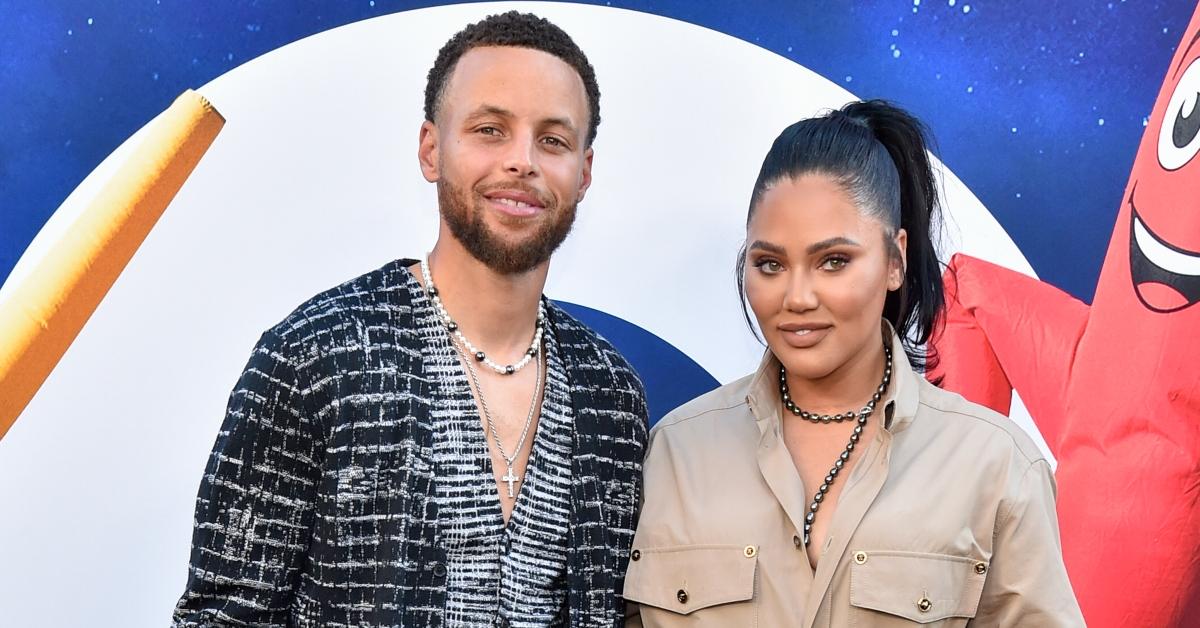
(588, 569)
(408, 553)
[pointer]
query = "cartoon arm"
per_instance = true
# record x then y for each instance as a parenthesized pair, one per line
(1004, 331)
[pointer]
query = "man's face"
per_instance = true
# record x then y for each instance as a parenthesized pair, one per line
(507, 153)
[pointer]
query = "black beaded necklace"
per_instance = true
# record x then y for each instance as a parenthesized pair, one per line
(861, 416)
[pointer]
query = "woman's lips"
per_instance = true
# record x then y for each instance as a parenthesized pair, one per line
(804, 337)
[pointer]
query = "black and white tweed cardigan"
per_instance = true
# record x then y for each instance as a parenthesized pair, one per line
(317, 505)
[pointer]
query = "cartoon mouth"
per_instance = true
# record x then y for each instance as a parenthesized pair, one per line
(1166, 278)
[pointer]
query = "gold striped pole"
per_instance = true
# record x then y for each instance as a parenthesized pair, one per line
(45, 312)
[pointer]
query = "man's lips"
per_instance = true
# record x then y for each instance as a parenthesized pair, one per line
(514, 202)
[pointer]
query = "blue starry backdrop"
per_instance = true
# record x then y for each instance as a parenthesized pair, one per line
(1037, 106)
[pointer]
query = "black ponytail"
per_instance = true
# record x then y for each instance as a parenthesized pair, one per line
(878, 153)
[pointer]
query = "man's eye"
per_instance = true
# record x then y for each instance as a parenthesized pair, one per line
(488, 130)
(554, 141)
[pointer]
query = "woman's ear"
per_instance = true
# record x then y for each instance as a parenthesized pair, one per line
(897, 261)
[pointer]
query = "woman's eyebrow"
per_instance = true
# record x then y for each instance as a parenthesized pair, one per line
(759, 245)
(830, 243)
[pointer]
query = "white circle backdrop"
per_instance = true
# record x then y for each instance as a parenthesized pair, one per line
(313, 181)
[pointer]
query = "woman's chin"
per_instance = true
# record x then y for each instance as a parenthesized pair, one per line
(809, 364)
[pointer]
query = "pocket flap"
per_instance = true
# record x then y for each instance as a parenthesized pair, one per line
(916, 586)
(687, 578)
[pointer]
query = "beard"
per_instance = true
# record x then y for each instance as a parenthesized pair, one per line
(464, 214)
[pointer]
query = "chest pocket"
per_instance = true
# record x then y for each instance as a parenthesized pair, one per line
(903, 588)
(694, 585)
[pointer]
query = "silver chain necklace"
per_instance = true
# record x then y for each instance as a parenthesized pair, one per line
(861, 416)
(509, 476)
(480, 356)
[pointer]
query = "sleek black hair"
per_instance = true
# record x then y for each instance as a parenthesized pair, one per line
(519, 30)
(877, 152)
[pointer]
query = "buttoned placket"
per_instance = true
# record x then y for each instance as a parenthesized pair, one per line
(865, 481)
(779, 472)
(862, 487)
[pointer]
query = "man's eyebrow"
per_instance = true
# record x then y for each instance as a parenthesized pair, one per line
(563, 122)
(490, 110)
(759, 245)
(830, 243)
(1185, 54)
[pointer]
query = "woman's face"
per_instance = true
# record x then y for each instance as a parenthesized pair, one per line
(817, 272)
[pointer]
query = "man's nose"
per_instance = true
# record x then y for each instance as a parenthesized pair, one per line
(521, 156)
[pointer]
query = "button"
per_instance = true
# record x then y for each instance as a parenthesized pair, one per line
(439, 570)
(797, 541)
(981, 568)
(681, 596)
(924, 605)
(636, 555)
(860, 557)
(506, 544)
(750, 551)
(501, 622)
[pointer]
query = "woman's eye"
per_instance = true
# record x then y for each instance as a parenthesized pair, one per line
(834, 263)
(768, 266)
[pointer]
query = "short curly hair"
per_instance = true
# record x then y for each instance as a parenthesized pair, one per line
(521, 30)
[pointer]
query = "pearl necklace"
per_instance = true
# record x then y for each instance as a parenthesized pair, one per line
(480, 356)
(861, 416)
(508, 477)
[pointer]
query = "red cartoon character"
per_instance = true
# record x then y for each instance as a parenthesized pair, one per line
(1115, 387)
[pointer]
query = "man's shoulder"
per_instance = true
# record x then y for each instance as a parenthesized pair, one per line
(591, 355)
(379, 296)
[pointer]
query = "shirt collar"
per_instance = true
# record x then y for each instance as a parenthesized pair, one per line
(899, 402)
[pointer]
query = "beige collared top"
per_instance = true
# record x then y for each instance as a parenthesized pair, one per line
(947, 520)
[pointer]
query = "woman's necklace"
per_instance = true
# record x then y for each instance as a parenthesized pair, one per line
(480, 356)
(861, 416)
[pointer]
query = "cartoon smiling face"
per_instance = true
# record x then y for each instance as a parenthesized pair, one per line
(1164, 190)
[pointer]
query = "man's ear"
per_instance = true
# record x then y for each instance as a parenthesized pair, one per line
(585, 181)
(427, 151)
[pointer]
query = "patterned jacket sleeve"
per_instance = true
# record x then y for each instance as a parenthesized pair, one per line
(254, 511)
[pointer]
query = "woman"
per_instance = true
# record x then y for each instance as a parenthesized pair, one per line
(835, 486)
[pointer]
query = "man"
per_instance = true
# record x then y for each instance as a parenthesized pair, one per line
(433, 443)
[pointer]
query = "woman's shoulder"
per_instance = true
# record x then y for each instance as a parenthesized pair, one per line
(713, 408)
(957, 418)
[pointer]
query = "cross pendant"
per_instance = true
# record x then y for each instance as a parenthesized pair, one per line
(511, 479)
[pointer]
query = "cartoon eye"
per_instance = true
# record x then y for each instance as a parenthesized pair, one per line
(1179, 138)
